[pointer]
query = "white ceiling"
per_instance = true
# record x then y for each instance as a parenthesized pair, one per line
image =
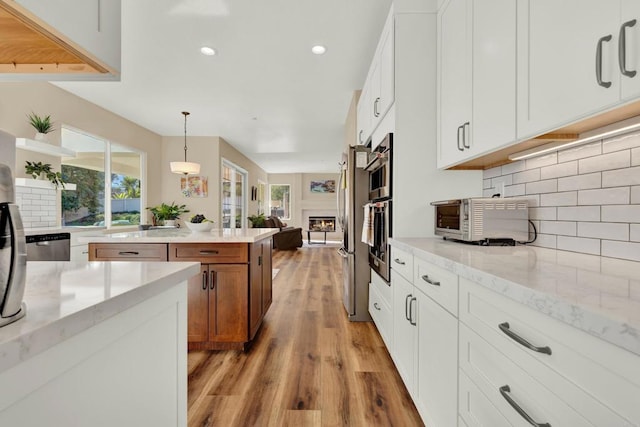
(264, 92)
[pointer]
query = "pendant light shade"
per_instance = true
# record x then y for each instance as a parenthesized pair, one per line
(185, 168)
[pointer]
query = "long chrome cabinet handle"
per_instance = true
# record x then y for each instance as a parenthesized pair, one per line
(429, 281)
(360, 136)
(128, 253)
(213, 280)
(204, 281)
(458, 137)
(604, 84)
(399, 261)
(406, 308)
(622, 48)
(212, 252)
(377, 307)
(413, 322)
(465, 126)
(504, 327)
(375, 107)
(504, 390)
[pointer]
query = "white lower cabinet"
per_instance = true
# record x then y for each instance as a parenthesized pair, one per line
(476, 409)
(405, 332)
(380, 299)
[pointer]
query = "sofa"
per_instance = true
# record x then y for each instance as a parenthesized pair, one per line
(287, 237)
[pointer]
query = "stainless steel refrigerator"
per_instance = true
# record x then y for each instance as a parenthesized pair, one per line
(353, 194)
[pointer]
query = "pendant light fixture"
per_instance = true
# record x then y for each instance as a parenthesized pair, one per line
(185, 168)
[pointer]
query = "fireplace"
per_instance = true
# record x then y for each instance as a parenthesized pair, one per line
(322, 223)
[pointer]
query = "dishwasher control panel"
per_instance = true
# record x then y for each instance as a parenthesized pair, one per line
(49, 247)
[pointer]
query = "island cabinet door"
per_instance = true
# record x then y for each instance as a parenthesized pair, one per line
(198, 306)
(228, 302)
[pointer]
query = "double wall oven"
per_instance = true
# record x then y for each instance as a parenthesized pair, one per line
(380, 193)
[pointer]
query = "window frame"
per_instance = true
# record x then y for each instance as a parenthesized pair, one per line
(290, 200)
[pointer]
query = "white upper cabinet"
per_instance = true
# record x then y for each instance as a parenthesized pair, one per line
(455, 81)
(629, 50)
(378, 93)
(93, 27)
(477, 78)
(568, 56)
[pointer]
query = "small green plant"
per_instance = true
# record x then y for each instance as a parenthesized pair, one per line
(35, 169)
(257, 221)
(164, 211)
(41, 124)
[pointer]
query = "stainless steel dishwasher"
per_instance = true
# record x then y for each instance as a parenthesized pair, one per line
(49, 247)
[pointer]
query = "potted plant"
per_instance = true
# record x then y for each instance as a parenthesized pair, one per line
(42, 125)
(39, 170)
(257, 221)
(167, 214)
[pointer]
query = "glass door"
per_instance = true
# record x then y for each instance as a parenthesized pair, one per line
(234, 183)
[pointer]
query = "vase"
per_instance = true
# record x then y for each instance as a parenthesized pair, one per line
(41, 137)
(170, 222)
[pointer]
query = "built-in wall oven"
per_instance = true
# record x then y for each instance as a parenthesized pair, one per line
(380, 192)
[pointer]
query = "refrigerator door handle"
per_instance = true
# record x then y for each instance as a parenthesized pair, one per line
(343, 253)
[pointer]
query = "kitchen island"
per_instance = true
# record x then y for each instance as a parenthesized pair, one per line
(229, 298)
(102, 344)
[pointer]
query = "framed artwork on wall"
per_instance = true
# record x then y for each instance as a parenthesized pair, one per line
(325, 186)
(194, 186)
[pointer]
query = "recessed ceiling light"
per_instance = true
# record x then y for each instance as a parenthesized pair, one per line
(207, 51)
(318, 49)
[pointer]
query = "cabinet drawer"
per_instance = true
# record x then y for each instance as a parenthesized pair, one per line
(475, 409)
(127, 251)
(381, 314)
(439, 284)
(210, 253)
(402, 263)
(543, 397)
(579, 365)
(383, 288)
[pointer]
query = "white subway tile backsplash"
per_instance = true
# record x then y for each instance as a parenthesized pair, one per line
(486, 183)
(620, 177)
(546, 241)
(564, 228)
(538, 187)
(605, 196)
(526, 176)
(514, 167)
(617, 160)
(580, 182)
(622, 213)
(623, 250)
(505, 179)
(635, 194)
(569, 198)
(492, 173)
(604, 230)
(635, 157)
(514, 190)
(579, 213)
(549, 214)
(579, 244)
(488, 192)
(545, 160)
(621, 142)
(561, 169)
(580, 152)
(634, 232)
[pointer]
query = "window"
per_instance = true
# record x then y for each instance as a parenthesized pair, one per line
(108, 180)
(280, 200)
(233, 181)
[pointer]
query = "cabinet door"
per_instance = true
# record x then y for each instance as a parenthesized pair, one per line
(455, 82)
(267, 288)
(198, 306)
(436, 393)
(228, 302)
(561, 63)
(630, 62)
(404, 332)
(494, 75)
(386, 66)
(363, 116)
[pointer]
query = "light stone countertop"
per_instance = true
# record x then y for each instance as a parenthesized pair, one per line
(182, 235)
(598, 295)
(66, 298)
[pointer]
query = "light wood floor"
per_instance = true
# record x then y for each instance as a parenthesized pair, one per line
(309, 366)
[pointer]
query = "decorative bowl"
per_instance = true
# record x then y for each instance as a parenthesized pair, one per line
(199, 226)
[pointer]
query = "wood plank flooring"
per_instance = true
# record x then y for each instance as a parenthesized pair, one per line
(309, 366)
